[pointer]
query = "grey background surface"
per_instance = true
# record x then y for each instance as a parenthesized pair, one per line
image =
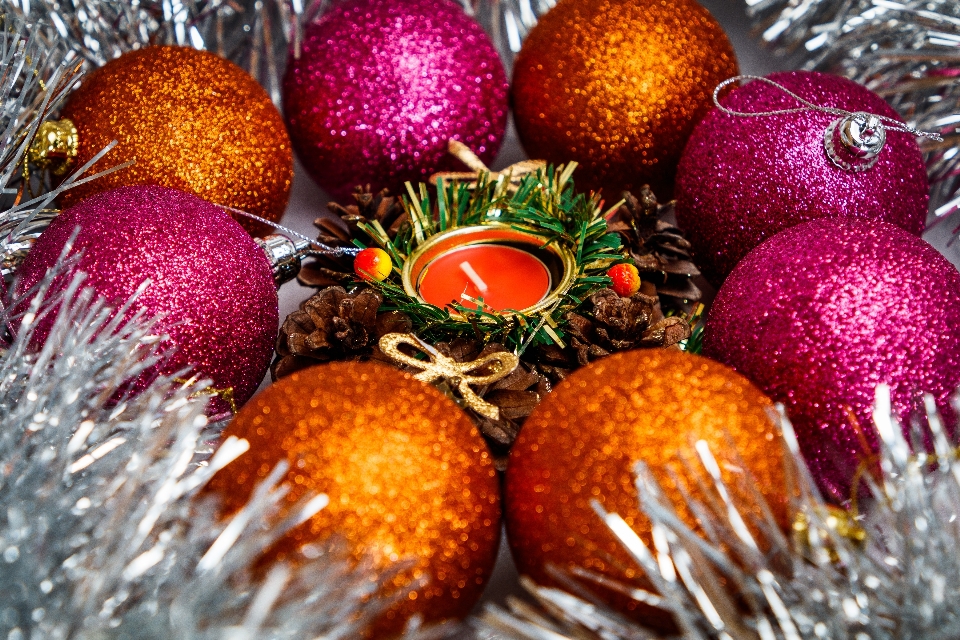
(308, 202)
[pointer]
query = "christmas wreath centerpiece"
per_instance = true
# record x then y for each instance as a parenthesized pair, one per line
(515, 262)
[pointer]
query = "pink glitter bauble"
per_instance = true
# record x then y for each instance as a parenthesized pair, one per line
(382, 85)
(822, 313)
(210, 280)
(743, 179)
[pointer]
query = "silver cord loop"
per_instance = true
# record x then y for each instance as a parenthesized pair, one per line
(320, 250)
(890, 124)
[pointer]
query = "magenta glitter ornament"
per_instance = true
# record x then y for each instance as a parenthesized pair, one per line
(382, 85)
(208, 277)
(822, 313)
(743, 179)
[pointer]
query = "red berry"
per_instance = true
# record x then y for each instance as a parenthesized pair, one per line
(626, 279)
(372, 264)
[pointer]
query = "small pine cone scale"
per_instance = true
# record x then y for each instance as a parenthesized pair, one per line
(609, 323)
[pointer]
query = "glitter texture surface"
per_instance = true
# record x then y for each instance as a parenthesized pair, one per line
(582, 441)
(618, 86)
(408, 476)
(382, 85)
(821, 313)
(208, 277)
(193, 121)
(743, 179)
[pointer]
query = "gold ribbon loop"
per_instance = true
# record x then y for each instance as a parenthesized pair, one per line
(456, 373)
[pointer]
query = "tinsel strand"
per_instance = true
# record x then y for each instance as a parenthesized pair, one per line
(37, 72)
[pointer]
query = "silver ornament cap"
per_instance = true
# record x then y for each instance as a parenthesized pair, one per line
(854, 142)
(284, 256)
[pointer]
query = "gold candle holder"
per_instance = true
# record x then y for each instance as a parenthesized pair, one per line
(562, 266)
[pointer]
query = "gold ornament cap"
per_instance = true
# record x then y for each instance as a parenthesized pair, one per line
(54, 146)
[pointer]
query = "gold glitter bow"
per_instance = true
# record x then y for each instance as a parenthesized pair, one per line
(513, 175)
(456, 373)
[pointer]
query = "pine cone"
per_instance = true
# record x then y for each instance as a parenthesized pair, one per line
(515, 395)
(325, 271)
(334, 325)
(612, 324)
(658, 248)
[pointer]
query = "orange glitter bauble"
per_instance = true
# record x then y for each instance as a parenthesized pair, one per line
(618, 86)
(583, 440)
(193, 121)
(408, 476)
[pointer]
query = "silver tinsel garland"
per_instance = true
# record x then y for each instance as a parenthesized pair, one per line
(104, 531)
(104, 528)
(908, 52)
(253, 33)
(508, 22)
(891, 574)
(259, 35)
(38, 73)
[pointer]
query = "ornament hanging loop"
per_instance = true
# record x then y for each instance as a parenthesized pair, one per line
(853, 142)
(285, 252)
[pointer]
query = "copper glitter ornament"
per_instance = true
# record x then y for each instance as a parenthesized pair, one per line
(193, 121)
(408, 476)
(618, 86)
(583, 440)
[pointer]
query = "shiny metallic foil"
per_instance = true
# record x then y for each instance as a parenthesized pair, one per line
(582, 442)
(99, 507)
(193, 121)
(408, 475)
(618, 86)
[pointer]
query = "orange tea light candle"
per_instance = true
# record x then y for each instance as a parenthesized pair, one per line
(503, 277)
(510, 268)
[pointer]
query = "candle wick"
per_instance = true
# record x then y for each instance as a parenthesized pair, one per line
(474, 277)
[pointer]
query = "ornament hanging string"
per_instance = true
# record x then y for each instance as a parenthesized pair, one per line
(889, 124)
(322, 250)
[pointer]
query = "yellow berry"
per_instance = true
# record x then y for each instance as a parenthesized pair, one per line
(372, 264)
(626, 279)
